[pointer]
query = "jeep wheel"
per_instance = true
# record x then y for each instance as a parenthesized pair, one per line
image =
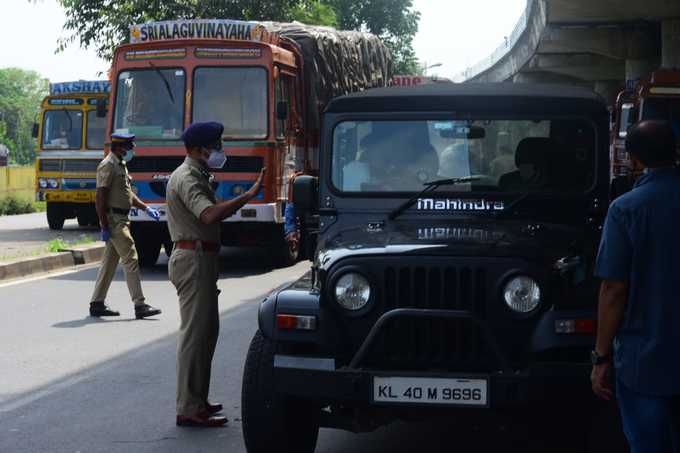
(55, 217)
(272, 423)
(604, 431)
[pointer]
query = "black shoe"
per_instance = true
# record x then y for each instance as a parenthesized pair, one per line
(98, 309)
(145, 310)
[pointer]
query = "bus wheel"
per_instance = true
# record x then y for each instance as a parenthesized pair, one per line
(83, 220)
(55, 217)
(148, 251)
(167, 246)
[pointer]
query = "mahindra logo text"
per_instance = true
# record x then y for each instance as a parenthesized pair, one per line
(430, 204)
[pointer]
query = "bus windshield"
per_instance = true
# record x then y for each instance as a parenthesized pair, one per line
(96, 129)
(235, 97)
(62, 129)
(150, 103)
(496, 155)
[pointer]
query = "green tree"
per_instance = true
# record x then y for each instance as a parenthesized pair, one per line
(394, 21)
(103, 24)
(20, 95)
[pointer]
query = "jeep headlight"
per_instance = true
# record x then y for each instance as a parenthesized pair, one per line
(522, 294)
(352, 291)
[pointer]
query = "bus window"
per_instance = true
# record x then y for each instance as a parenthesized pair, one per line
(62, 129)
(96, 128)
(233, 96)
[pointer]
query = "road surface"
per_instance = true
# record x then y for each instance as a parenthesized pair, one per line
(70, 383)
(25, 234)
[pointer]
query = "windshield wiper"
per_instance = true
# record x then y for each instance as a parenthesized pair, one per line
(165, 81)
(510, 208)
(429, 187)
(70, 120)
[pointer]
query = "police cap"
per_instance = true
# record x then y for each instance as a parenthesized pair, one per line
(119, 137)
(202, 134)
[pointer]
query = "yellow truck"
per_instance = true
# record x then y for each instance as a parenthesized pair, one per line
(70, 137)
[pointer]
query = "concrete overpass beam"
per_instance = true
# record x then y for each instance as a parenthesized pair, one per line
(614, 41)
(550, 78)
(670, 44)
(640, 69)
(587, 67)
(609, 90)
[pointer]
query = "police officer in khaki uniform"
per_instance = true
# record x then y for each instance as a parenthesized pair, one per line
(113, 202)
(194, 217)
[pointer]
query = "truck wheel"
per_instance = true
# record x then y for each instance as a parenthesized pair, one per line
(270, 421)
(148, 250)
(55, 217)
(83, 220)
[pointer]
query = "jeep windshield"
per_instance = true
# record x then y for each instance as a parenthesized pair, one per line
(519, 156)
(150, 103)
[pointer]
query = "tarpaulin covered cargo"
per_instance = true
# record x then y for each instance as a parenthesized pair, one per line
(336, 62)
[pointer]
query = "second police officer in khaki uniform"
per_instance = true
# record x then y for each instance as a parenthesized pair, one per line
(194, 217)
(113, 203)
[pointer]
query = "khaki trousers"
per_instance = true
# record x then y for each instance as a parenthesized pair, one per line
(119, 247)
(194, 274)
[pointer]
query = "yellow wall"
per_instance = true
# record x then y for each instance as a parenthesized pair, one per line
(17, 181)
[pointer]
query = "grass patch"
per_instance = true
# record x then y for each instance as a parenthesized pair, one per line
(12, 205)
(40, 206)
(56, 245)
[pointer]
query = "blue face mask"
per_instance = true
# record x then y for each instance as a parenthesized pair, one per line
(129, 154)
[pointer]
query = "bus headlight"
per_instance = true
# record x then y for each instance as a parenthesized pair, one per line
(42, 183)
(522, 294)
(53, 183)
(352, 291)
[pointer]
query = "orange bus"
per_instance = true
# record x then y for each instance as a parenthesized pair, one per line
(267, 84)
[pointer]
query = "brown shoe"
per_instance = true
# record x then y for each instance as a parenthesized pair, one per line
(202, 420)
(213, 408)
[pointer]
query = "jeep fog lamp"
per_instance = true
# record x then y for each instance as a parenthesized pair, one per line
(352, 291)
(522, 294)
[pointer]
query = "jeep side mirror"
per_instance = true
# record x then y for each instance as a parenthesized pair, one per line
(306, 195)
(281, 110)
(101, 108)
(36, 129)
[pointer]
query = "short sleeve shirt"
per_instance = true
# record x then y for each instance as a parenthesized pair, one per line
(112, 173)
(188, 194)
(641, 244)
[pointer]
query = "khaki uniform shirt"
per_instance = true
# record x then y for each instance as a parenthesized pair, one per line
(113, 173)
(188, 194)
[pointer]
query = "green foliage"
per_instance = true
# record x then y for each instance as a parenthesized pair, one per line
(20, 95)
(314, 12)
(104, 24)
(56, 245)
(13, 206)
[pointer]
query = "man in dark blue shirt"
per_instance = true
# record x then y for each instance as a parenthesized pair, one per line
(639, 308)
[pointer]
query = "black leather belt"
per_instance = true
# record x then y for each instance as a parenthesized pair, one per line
(119, 211)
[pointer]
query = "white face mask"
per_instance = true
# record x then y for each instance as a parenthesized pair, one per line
(129, 154)
(217, 158)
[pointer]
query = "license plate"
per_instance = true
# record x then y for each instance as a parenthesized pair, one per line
(420, 390)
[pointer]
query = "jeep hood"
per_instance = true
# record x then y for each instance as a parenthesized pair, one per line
(537, 242)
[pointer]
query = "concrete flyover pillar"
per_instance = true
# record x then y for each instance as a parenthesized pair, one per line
(670, 44)
(609, 90)
(640, 69)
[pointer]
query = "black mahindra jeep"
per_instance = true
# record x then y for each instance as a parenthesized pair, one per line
(457, 231)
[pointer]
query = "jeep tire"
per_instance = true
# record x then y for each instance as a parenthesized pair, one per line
(55, 216)
(271, 422)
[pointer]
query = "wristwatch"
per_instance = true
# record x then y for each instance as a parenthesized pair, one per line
(597, 359)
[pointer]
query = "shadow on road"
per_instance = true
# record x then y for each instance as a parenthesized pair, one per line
(88, 320)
